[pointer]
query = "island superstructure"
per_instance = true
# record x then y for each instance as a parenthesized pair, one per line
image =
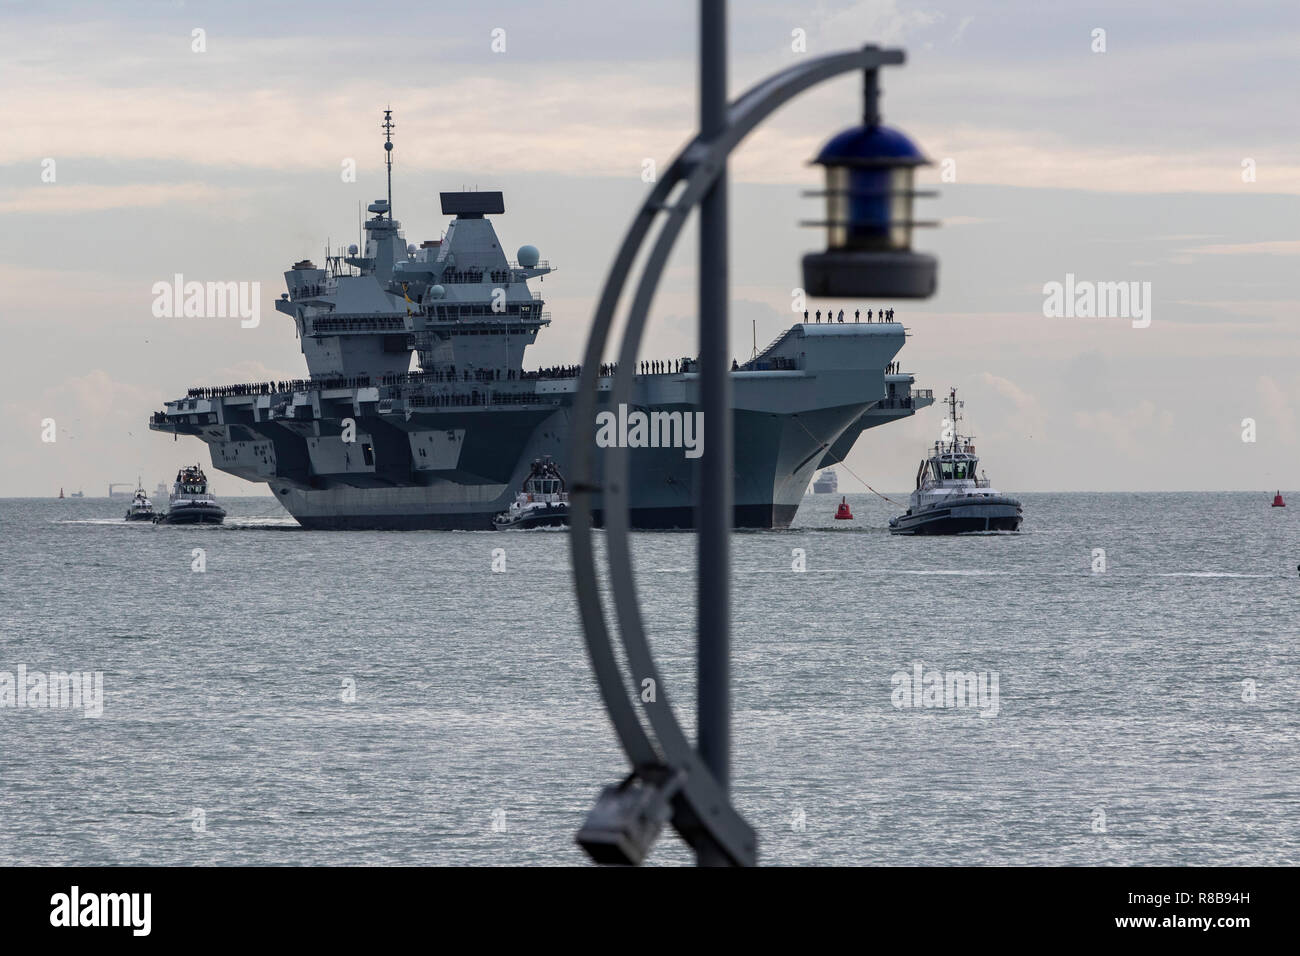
(369, 441)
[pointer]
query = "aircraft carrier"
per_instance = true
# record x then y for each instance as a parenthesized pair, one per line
(418, 411)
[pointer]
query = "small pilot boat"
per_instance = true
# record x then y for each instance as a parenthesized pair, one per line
(543, 502)
(190, 501)
(950, 498)
(141, 508)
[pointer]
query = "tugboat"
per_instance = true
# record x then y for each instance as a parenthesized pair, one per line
(842, 513)
(543, 502)
(141, 507)
(190, 501)
(827, 483)
(949, 498)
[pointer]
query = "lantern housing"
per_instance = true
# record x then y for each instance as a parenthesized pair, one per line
(870, 178)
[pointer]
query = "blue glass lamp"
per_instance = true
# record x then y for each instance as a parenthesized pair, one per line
(869, 193)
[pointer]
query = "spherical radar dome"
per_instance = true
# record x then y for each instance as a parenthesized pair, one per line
(528, 256)
(437, 291)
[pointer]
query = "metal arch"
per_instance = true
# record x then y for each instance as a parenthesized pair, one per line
(703, 811)
(609, 678)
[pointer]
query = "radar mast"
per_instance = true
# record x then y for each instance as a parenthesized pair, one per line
(388, 125)
(952, 414)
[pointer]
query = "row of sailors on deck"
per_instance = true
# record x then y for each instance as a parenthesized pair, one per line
(885, 315)
(448, 373)
(545, 469)
(276, 388)
(250, 388)
(556, 371)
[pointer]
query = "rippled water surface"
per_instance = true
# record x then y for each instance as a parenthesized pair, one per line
(1126, 726)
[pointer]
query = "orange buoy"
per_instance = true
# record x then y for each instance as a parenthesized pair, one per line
(1277, 501)
(842, 513)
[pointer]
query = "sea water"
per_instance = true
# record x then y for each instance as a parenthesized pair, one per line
(276, 695)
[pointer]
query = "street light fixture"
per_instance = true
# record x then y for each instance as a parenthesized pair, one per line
(870, 171)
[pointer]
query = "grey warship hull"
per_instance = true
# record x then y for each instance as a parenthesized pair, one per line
(771, 473)
(416, 464)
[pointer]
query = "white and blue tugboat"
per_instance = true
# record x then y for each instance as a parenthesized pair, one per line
(190, 501)
(950, 498)
(543, 503)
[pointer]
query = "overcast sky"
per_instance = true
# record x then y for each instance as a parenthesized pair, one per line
(1123, 165)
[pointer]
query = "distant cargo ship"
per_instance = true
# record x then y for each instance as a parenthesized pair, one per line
(827, 483)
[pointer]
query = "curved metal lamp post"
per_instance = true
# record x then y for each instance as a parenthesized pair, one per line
(670, 779)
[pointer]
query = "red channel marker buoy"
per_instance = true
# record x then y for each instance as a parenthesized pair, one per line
(842, 513)
(1277, 501)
